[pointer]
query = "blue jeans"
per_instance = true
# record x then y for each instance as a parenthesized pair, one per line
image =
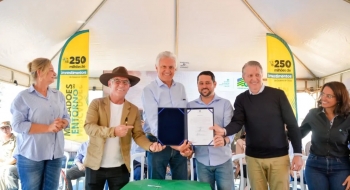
(42, 175)
(326, 172)
(221, 174)
(158, 161)
(137, 173)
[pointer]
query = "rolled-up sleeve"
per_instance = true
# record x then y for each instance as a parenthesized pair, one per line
(20, 111)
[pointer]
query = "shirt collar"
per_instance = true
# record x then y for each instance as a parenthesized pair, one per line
(322, 111)
(160, 83)
(32, 89)
(215, 99)
(261, 89)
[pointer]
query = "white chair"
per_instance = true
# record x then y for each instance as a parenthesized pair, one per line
(192, 169)
(242, 182)
(78, 181)
(301, 183)
(307, 148)
(132, 158)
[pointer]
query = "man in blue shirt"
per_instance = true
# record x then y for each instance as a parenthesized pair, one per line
(164, 92)
(78, 170)
(214, 164)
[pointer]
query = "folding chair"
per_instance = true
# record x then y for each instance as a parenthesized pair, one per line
(242, 181)
(132, 158)
(302, 184)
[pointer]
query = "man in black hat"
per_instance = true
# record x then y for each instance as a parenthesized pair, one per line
(110, 123)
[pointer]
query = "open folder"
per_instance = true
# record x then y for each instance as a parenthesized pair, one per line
(177, 124)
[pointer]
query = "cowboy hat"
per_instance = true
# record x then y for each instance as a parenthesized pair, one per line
(118, 72)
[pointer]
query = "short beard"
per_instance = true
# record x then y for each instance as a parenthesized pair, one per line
(209, 93)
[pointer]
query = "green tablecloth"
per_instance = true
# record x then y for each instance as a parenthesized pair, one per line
(156, 184)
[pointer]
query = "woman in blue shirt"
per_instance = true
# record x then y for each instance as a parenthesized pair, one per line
(39, 115)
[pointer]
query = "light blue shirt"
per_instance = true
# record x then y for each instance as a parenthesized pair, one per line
(80, 157)
(157, 94)
(223, 112)
(31, 107)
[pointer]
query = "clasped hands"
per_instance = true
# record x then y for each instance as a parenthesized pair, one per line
(185, 149)
(57, 125)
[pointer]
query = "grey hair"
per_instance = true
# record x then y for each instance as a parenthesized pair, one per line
(166, 54)
(252, 63)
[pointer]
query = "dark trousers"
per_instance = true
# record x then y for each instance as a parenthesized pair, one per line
(72, 174)
(116, 177)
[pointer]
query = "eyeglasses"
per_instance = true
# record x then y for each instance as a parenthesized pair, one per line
(5, 128)
(117, 81)
(329, 96)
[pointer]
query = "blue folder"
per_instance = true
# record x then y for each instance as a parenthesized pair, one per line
(172, 125)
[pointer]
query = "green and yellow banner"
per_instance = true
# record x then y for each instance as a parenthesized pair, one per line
(73, 82)
(281, 68)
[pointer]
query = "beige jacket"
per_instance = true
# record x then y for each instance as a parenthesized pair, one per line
(97, 127)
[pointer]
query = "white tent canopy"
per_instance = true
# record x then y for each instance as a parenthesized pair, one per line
(209, 35)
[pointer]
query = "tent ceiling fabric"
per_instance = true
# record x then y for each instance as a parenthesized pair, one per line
(217, 36)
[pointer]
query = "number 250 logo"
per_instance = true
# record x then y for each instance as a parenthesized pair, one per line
(281, 63)
(77, 60)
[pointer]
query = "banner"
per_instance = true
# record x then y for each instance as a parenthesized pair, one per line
(73, 82)
(281, 68)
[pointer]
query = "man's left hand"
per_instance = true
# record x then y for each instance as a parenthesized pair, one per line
(64, 123)
(218, 130)
(156, 147)
(219, 141)
(187, 153)
(185, 145)
(297, 163)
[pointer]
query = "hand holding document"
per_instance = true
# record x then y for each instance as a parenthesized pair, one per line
(177, 124)
(218, 130)
(198, 123)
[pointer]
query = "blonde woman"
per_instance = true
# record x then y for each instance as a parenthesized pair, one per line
(39, 115)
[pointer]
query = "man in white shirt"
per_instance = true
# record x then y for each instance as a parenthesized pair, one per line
(110, 123)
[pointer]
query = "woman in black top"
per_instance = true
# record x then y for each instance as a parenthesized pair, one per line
(328, 165)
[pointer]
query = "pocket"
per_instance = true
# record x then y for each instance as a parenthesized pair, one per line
(312, 157)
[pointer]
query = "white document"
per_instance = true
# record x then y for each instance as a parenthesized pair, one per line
(198, 123)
